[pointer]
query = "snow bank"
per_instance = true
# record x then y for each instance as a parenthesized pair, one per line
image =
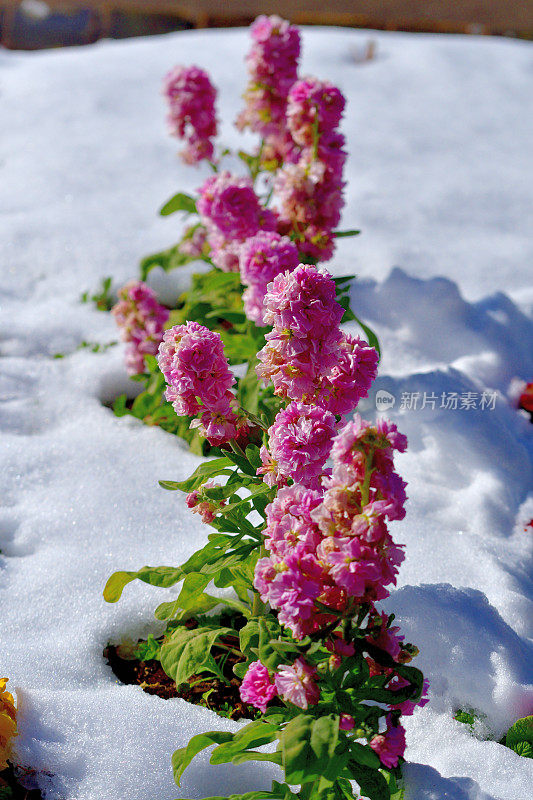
(437, 130)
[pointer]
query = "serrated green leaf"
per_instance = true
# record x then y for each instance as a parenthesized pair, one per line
(521, 731)
(524, 749)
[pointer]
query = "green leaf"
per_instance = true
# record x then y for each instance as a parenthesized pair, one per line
(180, 202)
(324, 736)
(173, 610)
(372, 339)
(183, 757)
(268, 631)
(521, 731)
(188, 652)
(255, 755)
(295, 749)
(248, 389)
(205, 471)
(371, 782)
(193, 585)
(155, 576)
(119, 406)
(169, 259)
(229, 314)
(364, 755)
(255, 734)
(252, 454)
(524, 749)
(249, 636)
(343, 234)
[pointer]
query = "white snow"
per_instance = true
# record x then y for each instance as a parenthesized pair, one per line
(439, 134)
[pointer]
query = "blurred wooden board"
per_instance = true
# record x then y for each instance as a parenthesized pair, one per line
(460, 16)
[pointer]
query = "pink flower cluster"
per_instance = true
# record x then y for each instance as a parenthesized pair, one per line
(314, 108)
(307, 357)
(310, 191)
(299, 444)
(191, 357)
(191, 99)
(232, 213)
(295, 683)
(272, 65)
(335, 546)
(262, 258)
(141, 319)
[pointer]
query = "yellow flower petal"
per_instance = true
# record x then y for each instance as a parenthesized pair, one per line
(8, 722)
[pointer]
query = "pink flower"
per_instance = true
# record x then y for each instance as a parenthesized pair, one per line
(194, 242)
(256, 687)
(386, 638)
(191, 357)
(389, 746)
(199, 503)
(351, 376)
(303, 344)
(346, 722)
(408, 706)
(141, 320)
(272, 65)
(191, 98)
(309, 192)
(300, 441)
(290, 528)
(230, 204)
(262, 257)
(221, 424)
(297, 685)
(339, 646)
(314, 107)
(291, 585)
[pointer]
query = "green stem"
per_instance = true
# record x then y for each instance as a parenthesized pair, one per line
(258, 607)
(237, 448)
(365, 486)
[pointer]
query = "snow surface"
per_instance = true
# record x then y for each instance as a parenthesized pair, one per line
(439, 134)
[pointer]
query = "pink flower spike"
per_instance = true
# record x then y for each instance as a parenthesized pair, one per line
(256, 687)
(191, 357)
(191, 99)
(141, 320)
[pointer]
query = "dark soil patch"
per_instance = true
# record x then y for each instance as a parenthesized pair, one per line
(204, 690)
(12, 789)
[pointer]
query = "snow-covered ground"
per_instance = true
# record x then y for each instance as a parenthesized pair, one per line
(439, 133)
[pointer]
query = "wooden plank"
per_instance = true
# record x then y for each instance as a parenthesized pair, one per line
(498, 16)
